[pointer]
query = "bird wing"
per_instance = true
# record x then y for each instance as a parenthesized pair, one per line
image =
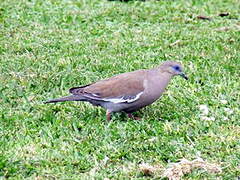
(126, 87)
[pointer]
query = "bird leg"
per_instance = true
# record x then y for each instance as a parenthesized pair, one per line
(133, 117)
(108, 114)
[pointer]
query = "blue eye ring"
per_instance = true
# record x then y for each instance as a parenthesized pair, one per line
(177, 68)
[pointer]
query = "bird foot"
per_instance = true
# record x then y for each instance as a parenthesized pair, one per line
(133, 117)
(108, 114)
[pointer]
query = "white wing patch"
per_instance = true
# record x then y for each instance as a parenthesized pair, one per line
(123, 99)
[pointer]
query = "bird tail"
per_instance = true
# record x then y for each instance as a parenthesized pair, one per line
(66, 98)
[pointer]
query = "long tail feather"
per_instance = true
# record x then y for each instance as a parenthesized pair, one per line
(66, 98)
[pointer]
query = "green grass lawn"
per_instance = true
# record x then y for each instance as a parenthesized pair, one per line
(47, 47)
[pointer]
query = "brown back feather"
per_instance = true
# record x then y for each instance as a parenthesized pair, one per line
(124, 84)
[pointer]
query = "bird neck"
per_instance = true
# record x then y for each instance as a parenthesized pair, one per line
(160, 79)
(164, 78)
(162, 74)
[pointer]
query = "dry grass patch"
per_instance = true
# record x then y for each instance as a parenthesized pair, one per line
(177, 170)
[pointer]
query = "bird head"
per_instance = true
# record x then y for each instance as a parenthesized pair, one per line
(173, 68)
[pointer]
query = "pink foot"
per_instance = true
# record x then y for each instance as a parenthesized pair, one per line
(133, 117)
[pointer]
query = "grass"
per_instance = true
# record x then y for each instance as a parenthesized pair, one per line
(47, 47)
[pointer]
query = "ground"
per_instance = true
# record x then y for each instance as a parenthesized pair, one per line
(47, 47)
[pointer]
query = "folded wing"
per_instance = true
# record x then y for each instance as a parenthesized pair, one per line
(123, 88)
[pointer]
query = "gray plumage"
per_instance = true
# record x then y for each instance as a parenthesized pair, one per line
(127, 92)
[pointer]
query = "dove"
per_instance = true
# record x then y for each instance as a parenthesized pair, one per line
(127, 92)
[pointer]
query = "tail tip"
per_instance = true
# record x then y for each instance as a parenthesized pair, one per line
(49, 101)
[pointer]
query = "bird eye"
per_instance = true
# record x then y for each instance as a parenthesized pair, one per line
(177, 68)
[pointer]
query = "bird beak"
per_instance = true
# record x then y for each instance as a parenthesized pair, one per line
(184, 76)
